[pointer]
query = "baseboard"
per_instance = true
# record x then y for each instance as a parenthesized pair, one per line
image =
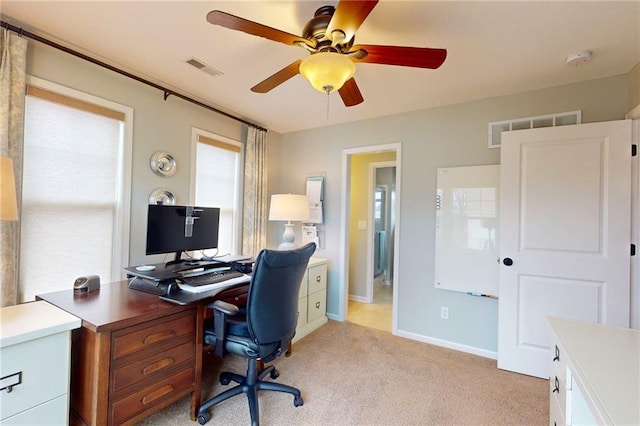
(334, 317)
(358, 298)
(436, 342)
(449, 345)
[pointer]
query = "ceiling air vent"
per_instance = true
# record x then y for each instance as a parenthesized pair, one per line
(204, 67)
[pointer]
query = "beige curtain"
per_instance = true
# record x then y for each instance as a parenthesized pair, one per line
(254, 226)
(13, 49)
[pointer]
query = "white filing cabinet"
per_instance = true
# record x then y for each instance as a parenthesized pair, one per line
(595, 374)
(312, 303)
(35, 347)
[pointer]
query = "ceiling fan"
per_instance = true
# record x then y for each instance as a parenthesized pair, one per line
(330, 38)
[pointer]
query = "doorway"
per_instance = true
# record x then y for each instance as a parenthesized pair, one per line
(370, 230)
(382, 185)
(374, 310)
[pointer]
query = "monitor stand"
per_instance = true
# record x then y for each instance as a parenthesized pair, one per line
(176, 260)
(160, 288)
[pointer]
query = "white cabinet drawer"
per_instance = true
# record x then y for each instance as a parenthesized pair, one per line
(44, 364)
(317, 278)
(55, 412)
(317, 306)
(558, 393)
(312, 300)
(558, 359)
(556, 414)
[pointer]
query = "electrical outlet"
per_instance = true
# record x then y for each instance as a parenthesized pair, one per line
(444, 312)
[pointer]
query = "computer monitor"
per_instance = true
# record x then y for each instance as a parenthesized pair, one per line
(174, 229)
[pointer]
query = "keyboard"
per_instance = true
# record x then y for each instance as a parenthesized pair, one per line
(210, 278)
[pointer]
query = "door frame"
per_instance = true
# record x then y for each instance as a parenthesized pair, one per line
(373, 167)
(345, 195)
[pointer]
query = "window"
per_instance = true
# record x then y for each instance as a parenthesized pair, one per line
(217, 182)
(75, 195)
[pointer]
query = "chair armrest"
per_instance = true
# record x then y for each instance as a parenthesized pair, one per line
(225, 307)
(221, 310)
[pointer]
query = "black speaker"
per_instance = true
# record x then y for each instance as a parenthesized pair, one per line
(86, 284)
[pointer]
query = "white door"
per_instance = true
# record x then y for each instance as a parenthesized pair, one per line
(565, 212)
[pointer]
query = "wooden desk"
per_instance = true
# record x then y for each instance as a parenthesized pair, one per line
(134, 353)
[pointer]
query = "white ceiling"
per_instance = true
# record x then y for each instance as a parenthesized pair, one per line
(494, 48)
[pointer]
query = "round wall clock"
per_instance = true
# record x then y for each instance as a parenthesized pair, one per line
(162, 196)
(163, 164)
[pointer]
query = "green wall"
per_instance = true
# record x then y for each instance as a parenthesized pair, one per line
(454, 135)
(448, 136)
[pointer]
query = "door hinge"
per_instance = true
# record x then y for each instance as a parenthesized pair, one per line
(633, 249)
(634, 150)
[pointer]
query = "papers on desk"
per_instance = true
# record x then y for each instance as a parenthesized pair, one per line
(216, 286)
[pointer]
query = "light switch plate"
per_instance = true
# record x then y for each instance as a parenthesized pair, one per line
(362, 225)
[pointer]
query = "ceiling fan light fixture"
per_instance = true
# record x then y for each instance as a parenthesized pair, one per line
(327, 71)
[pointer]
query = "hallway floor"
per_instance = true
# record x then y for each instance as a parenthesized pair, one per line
(374, 315)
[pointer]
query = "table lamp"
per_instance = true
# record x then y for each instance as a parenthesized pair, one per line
(288, 207)
(8, 203)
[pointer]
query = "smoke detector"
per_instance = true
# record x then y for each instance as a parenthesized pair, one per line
(578, 58)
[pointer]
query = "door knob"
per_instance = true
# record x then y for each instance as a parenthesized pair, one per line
(507, 261)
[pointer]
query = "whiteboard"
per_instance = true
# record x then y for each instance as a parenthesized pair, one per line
(467, 214)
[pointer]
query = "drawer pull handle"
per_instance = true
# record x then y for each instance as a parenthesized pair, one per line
(556, 386)
(149, 398)
(158, 365)
(8, 382)
(157, 337)
(318, 278)
(318, 305)
(557, 357)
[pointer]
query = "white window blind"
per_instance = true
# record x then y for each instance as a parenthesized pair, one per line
(72, 172)
(218, 183)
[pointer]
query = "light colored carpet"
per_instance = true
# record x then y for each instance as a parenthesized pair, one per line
(353, 375)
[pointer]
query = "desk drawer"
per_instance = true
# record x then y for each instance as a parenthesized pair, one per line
(558, 392)
(317, 306)
(317, 278)
(128, 342)
(171, 388)
(153, 365)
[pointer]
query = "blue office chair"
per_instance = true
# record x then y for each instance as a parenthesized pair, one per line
(262, 332)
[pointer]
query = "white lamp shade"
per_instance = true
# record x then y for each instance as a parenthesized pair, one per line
(289, 207)
(8, 203)
(327, 71)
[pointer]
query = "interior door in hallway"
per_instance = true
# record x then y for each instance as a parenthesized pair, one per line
(564, 235)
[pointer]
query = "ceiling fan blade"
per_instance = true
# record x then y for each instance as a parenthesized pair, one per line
(278, 78)
(348, 17)
(218, 17)
(419, 57)
(350, 93)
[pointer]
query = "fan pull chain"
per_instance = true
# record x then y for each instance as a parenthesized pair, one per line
(327, 106)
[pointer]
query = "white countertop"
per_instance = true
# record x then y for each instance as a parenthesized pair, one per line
(605, 361)
(315, 261)
(28, 321)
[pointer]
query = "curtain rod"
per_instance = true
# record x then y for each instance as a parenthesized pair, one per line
(167, 92)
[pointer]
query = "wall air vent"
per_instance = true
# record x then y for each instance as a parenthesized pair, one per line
(552, 120)
(204, 67)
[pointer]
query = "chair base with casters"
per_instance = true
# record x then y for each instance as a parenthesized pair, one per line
(260, 333)
(250, 385)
